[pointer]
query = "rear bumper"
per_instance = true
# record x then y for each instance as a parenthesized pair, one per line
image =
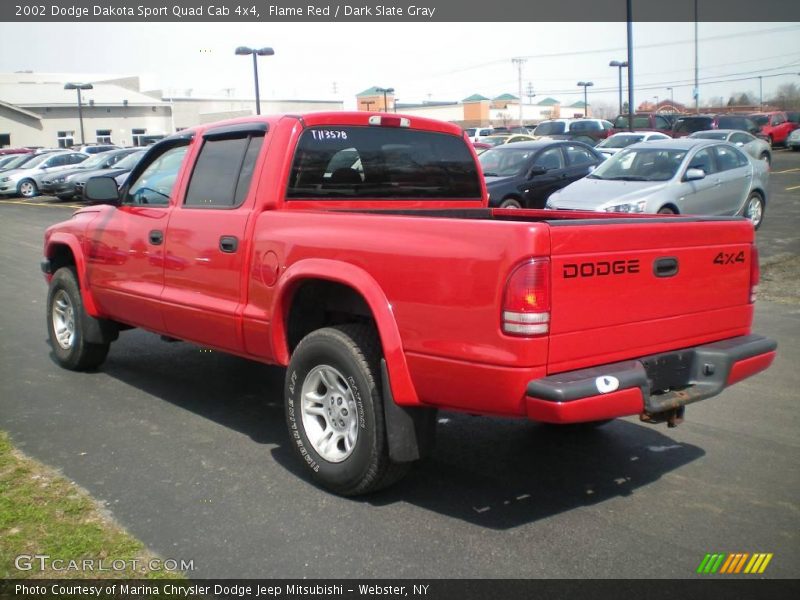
(650, 385)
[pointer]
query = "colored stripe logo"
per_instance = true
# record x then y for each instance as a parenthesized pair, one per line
(735, 563)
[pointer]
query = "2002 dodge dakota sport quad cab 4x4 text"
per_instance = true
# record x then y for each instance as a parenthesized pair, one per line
(357, 249)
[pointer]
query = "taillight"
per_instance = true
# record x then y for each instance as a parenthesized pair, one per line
(755, 273)
(526, 305)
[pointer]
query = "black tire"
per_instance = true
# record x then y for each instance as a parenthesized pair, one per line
(748, 211)
(666, 210)
(75, 354)
(27, 188)
(354, 352)
(510, 203)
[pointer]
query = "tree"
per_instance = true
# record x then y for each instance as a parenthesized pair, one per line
(603, 110)
(787, 97)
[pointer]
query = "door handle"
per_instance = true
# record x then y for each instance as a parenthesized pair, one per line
(156, 237)
(665, 267)
(228, 243)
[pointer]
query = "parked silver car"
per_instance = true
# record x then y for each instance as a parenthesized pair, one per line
(26, 179)
(755, 147)
(613, 144)
(686, 176)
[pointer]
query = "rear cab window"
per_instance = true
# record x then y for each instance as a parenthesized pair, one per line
(353, 162)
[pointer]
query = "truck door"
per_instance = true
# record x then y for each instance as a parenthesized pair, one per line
(206, 249)
(125, 261)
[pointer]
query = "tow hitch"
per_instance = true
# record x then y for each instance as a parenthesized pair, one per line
(673, 417)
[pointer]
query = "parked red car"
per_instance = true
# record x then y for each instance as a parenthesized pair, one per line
(774, 125)
(14, 151)
(359, 250)
(646, 122)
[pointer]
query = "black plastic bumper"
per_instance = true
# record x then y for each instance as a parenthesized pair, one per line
(667, 380)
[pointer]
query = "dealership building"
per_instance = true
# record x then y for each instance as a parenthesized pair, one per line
(36, 110)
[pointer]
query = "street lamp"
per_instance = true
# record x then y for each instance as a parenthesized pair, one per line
(385, 91)
(656, 97)
(79, 87)
(244, 51)
(760, 92)
(585, 85)
(368, 103)
(620, 64)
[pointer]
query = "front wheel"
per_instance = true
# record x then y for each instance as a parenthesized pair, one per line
(65, 321)
(754, 209)
(27, 188)
(666, 210)
(334, 410)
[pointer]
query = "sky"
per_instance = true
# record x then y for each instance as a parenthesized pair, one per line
(422, 61)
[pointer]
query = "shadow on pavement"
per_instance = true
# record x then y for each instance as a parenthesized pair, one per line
(496, 473)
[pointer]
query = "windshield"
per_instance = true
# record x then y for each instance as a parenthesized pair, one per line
(620, 141)
(35, 161)
(505, 161)
(470, 132)
(18, 161)
(735, 123)
(711, 135)
(760, 119)
(130, 161)
(693, 124)
(639, 122)
(641, 164)
(94, 161)
(550, 128)
(495, 140)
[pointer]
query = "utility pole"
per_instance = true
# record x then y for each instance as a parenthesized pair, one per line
(530, 93)
(519, 62)
(696, 67)
(629, 10)
(760, 93)
(368, 103)
(335, 89)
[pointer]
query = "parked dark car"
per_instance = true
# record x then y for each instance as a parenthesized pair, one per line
(523, 175)
(62, 184)
(661, 122)
(689, 124)
(589, 131)
(118, 171)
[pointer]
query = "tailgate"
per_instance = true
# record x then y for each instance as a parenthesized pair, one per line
(627, 288)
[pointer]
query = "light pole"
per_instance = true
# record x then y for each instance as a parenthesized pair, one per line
(671, 98)
(629, 29)
(620, 64)
(585, 85)
(79, 87)
(760, 92)
(244, 51)
(385, 91)
(656, 97)
(368, 103)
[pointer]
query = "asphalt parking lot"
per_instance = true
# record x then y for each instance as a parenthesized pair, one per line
(188, 450)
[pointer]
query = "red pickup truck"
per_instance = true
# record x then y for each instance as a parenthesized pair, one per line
(357, 249)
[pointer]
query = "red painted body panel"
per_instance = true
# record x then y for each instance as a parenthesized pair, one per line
(434, 283)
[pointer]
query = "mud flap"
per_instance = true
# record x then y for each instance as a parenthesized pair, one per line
(410, 431)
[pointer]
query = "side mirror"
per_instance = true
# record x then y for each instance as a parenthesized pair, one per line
(536, 170)
(101, 190)
(592, 168)
(694, 174)
(740, 144)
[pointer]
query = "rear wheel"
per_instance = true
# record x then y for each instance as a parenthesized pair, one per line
(27, 188)
(666, 210)
(334, 410)
(754, 209)
(65, 319)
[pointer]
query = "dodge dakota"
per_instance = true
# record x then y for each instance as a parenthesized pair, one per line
(358, 250)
